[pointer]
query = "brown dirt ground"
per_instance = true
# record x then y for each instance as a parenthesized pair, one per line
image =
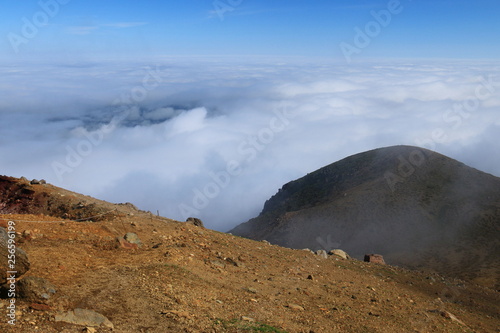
(190, 279)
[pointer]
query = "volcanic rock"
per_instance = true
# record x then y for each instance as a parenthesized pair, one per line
(195, 221)
(35, 289)
(339, 253)
(374, 258)
(22, 263)
(84, 317)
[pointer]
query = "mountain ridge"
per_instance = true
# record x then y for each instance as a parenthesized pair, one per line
(416, 207)
(185, 278)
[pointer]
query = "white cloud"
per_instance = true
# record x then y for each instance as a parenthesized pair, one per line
(122, 25)
(233, 131)
(88, 29)
(82, 30)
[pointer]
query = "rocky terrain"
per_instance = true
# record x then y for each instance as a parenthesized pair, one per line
(126, 270)
(417, 208)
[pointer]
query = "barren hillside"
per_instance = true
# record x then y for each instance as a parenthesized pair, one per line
(418, 208)
(186, 278)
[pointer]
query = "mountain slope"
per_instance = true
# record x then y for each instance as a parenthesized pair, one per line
(20, 196)
(418, 208)
(186, 278)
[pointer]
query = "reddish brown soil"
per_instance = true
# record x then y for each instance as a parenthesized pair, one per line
(190, 279)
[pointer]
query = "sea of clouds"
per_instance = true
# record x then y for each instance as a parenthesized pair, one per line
(215, 138)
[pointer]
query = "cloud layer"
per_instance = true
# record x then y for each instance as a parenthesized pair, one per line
(216, 139)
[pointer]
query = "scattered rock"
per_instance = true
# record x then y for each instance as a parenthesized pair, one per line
(22, 264)
(28, 235)
(127, 245)
(322, 254)
(251, 290)
(89, 330)
(130, 205)
(295, 307)
(43, 181)
(35, 182)
(218, 263)
(374, 258)
(40, 307)
(339, 253)
(266, 242)
(84, 317)
(33, 288)
(132, 238)
(310, 277)
(195, 221)
(245, 318)
(183, 314)
(235, 262)
(452, 317)
(308, 250)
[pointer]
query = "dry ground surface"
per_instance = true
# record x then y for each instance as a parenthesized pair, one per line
(190, 279)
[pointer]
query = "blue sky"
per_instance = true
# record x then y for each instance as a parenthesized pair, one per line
(181, 90)
(91, 29)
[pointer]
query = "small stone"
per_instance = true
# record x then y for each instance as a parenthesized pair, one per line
(195, 221)
(218, 263)
(374, 258)
(296, 307)
(40, 307)
(132, 237)
(339, 253)
(245, 318)
(310, 277)
(126, 245)
(89, 330)
(84, 317)
(28, 235)
(449, 315)
(183, 314)
(322, 254)
(252, 290)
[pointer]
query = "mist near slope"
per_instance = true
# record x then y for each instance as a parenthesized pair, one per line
(216, 139)
(415, 207)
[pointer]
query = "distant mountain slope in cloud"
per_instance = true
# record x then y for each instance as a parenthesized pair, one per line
(418, 208)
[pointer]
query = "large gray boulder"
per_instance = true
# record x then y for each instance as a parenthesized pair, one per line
(35, 289)
(22, 264)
